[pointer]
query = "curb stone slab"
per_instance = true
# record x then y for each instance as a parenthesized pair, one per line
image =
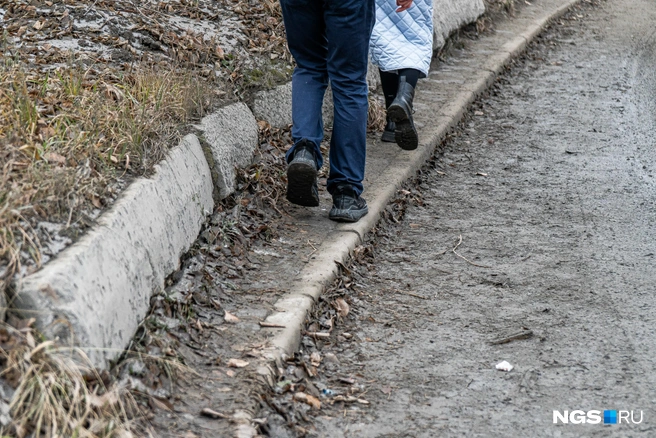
(232, 135)
(451, 15)
(274, 106)
(96, 292)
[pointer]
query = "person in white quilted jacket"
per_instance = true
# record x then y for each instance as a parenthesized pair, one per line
(402, 47)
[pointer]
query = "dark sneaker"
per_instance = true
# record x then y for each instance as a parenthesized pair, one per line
(302, 176)
(348, 206)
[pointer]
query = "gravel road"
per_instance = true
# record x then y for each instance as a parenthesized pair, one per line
(535, 244)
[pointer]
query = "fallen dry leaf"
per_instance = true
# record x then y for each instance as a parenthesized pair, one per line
(52, 157)
(310, 370)
(237, 363)
(161, 404)
(96, 201)
(30, 340)
(308, 399)
(230, 318)
(107, 399)
(342, 307)
(315, 358)
(207, 412)
(313, 401)
(350, 399)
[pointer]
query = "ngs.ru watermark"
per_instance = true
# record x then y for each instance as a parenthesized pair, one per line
(595, 417)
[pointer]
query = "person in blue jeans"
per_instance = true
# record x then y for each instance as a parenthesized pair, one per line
(329, 40)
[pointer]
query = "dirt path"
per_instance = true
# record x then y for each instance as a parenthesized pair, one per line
(537, 227)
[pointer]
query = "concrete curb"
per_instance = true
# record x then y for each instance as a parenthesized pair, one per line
(97, 291)
(292, 309)
(231, 134)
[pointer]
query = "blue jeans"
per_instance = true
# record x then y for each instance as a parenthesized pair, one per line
(329, 40)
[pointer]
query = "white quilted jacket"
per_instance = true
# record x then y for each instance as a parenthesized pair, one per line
(402, 40)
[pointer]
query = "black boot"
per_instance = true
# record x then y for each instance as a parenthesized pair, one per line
(400, 112)
(390, 127)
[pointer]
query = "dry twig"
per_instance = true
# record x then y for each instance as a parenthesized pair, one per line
(465, 258)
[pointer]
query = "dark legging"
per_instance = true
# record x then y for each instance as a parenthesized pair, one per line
(390, 81)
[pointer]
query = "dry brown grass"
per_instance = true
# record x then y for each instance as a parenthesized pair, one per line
(57, 393)
(377, 115)
(67, 134)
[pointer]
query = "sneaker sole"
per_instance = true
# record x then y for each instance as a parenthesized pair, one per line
(301, 178)
(338, 215)
(405, 134)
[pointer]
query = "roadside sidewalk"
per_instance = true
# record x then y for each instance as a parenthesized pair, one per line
(261, 317)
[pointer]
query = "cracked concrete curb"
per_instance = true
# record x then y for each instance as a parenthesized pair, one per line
(232, 135)
(97, 291)
(291, 310)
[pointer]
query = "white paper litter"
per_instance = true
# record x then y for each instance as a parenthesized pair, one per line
(504, 366)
